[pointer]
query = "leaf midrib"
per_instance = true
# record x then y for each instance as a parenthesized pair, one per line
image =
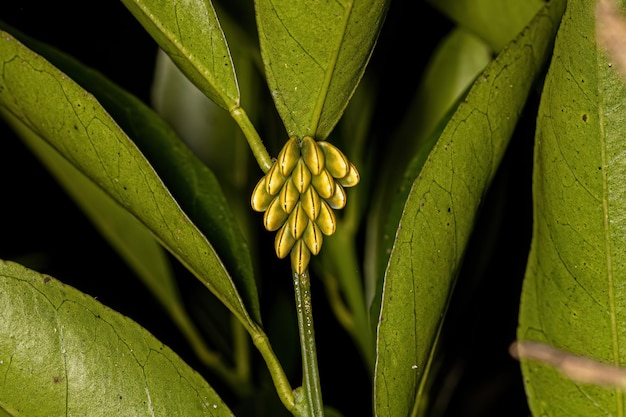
(607, 247)
(330, 70)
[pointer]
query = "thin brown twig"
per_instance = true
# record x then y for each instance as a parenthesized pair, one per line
(578, 368)
(611, 32)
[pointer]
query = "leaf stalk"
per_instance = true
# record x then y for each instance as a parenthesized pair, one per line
(281, 383)
(254, 140)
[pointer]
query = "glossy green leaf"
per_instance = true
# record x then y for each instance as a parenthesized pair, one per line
(495, 21)
(439, 215)
(193, 185)
(190, 33)
(574, 290)
(78, 357)
(74, 123)
(314, 56)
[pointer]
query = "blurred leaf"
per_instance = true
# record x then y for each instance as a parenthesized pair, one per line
(495, 21)
(195, 118)
(458, 59)
(331, 412)
(314, 56)
(573, 295)
(73, 122)
(190, 33)
(78, 357)
(439, 215)
(209, 131)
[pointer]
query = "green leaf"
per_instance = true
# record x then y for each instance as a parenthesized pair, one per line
(495, 21)
(75, 356)
(314, 56)
(439, 215)
(132, 240)
(191, 35)
(210, 133)
(193, 185)
(573, 295)
(74, 123)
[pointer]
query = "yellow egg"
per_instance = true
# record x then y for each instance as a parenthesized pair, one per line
(324, 184)
(261, 199)
(274, 216)
(301, 176)
(310, 201)
(338, 199)
(298, 221)
(352, 178)
(336, 162)
(326, 219)
(283, 242)
(300, 257)
(313, 238)
(288, 156)
(275, 180)
(288, 196)
(313, 155)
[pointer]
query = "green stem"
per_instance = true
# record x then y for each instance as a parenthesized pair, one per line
(254, 140)
(281, 383)
(310, 403)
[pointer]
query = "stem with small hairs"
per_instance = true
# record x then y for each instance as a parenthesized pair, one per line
(310, 400)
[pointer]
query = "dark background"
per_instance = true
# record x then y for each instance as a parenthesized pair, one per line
(43, 229)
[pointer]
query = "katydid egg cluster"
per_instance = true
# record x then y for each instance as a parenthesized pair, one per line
(298, 195)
